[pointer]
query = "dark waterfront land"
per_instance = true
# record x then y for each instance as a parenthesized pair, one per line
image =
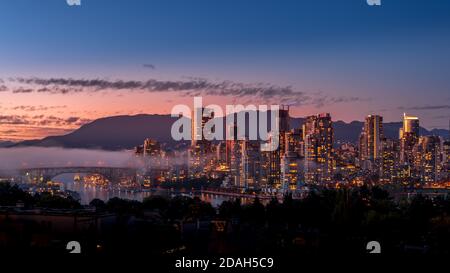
(326, 222)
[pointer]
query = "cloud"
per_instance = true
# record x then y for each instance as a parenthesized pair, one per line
(72, 119)
(14, 119)
(426, 107)
(59, 90)
(24, 132)
(32, 108)
(11, 131)
(323, 100)
(149, 66)
(3, 88)
(22, 90)
(42, 120)
(261, 92)
(77, 121)
(442, 117)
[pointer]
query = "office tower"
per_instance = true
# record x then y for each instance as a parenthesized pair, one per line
(409, 135)
(427, 153)
(411, 125)
(318, 137)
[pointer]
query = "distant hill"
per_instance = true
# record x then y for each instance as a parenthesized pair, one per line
(4, 144)
(125, 132)
(112, 133)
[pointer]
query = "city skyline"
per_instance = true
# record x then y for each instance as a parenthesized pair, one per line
(349, 59)
(225, 135)
(14, 127)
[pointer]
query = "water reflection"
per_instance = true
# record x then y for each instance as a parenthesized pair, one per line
(88, 192)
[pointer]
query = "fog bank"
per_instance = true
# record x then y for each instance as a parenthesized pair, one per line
(33, 157)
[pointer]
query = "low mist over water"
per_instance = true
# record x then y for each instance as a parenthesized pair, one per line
(32, 157)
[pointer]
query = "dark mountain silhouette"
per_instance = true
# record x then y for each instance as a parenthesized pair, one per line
(4, 144)
(112, 133)
(126, 132)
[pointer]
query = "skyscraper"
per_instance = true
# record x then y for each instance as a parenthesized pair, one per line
(373, 135)
(295, 143)
(389, 160)
(410, 125)
(291, 159)
(199, 118)
(283, 127)
(445, 175)
(271, 160)
(409, 135)
(271, 163)
(250, 168)
(201, 148)
(427, 155)
(318, 137)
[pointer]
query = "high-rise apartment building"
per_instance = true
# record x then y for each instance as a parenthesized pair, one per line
(427, 158)
(200, 152)
(373, 135)
(318, 137)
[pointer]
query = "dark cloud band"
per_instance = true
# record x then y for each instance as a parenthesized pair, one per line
(267, 93)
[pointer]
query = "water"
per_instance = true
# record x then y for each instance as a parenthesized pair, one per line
(89, 192)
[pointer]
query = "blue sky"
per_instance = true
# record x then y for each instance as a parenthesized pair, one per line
(394, 58)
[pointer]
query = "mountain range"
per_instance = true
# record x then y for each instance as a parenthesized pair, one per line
(126, 132)
(4, 144)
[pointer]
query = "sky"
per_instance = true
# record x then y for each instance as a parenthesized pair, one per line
(63, 66)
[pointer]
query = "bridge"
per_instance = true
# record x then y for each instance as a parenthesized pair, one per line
(113, 174)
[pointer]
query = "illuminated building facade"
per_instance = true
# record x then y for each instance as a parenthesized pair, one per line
(409, 136)
(427, 154)
(250, 167)
(389, 160)
(445, 175)
(200, 153)
(372, 137)
(318, 136)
